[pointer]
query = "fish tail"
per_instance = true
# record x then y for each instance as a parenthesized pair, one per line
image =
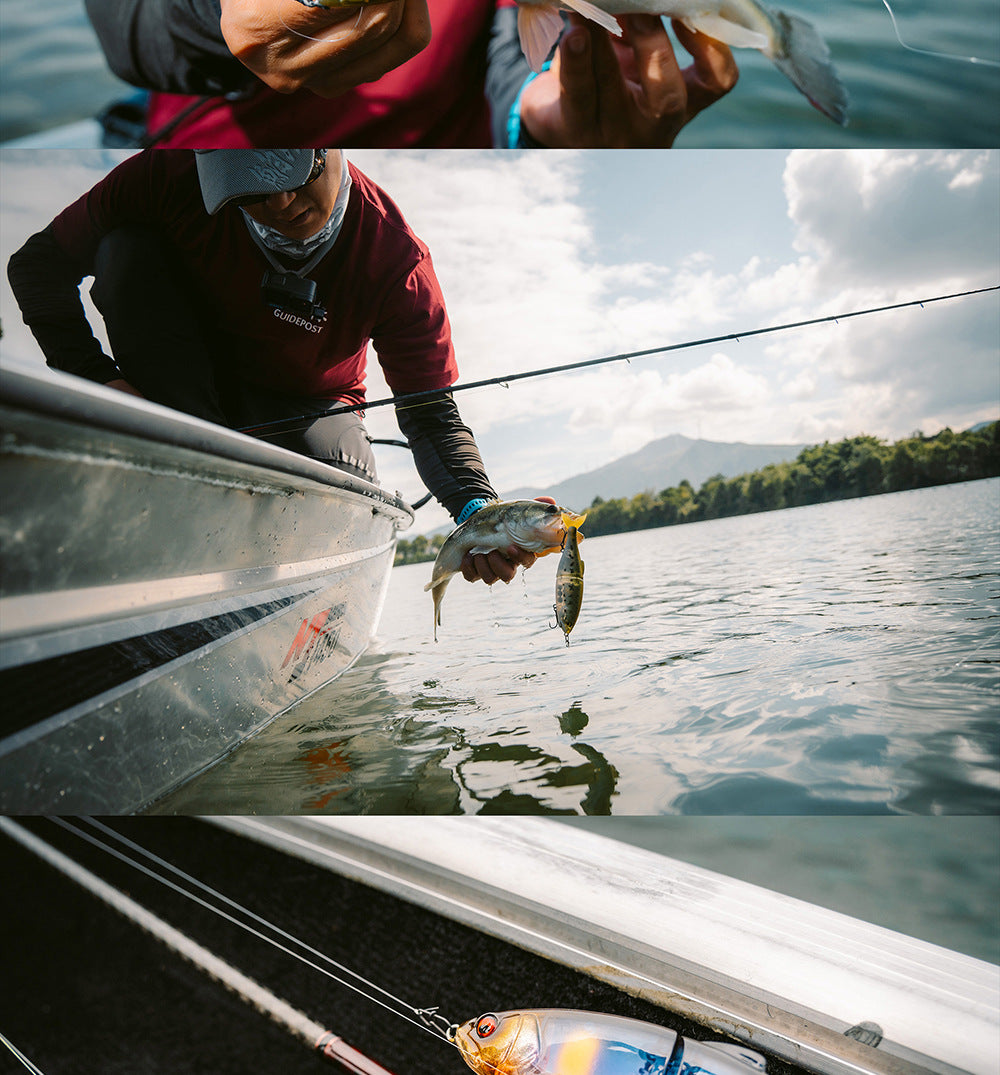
(437, 592)
(801, 55)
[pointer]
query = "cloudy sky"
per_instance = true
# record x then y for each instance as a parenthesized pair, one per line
(549, 258)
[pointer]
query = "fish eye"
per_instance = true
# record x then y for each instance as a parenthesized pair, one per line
(486, 1025)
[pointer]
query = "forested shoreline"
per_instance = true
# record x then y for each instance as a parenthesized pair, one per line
(843, 470)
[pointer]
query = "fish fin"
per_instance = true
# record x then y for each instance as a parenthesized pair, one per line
(439, 588)
(728, 32)
(801, 55)
(538, 27)
(545, 552)
(595, 14)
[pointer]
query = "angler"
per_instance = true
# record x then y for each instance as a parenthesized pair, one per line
(245, 286)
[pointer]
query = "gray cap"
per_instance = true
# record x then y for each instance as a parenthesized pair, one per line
(226, 174)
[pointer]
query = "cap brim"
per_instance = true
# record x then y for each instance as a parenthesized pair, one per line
(227, 174)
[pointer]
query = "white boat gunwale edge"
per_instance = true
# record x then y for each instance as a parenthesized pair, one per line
(78, 400)
(574, 897)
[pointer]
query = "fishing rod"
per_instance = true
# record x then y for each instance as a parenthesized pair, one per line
(284, 425)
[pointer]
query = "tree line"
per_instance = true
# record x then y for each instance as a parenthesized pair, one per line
(853, 467)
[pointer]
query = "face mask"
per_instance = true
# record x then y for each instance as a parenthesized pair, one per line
(302, 248)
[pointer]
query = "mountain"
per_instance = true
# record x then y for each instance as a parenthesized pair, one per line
(659, 465)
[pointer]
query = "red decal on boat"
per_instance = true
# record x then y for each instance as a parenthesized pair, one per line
(314, 641)
(306, 638)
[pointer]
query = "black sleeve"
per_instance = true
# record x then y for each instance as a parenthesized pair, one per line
(445, 453)
(506, 71)
(46, 283)
(172, 46)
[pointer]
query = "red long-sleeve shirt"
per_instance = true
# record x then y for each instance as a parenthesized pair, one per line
(377, 282)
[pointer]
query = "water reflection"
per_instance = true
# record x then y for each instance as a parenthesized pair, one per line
(490, 771)
(791, 678)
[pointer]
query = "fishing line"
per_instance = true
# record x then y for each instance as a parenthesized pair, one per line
(427, 1019)
(164, 864)
(930, 52)
(32, 1067)
(330, 39)
(307, 1030)
(409, 400)
(949, 669)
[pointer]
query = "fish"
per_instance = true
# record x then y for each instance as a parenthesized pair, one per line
(530, 524)
(553, 1041)
(791, 43)
(569, 582)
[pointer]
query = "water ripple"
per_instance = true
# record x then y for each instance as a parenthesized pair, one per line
(842, 658)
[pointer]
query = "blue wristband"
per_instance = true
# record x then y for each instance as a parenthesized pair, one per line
(514, 115)
(470, 509)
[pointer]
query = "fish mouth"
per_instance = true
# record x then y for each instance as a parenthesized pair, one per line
(570, 518)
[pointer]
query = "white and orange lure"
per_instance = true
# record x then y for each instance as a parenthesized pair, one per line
(553, 1041)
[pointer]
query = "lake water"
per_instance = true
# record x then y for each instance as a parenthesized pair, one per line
(836, 659)
(52, 73)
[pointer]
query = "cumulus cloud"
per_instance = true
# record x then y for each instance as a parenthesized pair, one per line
(896, 218)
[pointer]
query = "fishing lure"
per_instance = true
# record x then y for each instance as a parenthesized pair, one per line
(529, 524)
(553, 1041)
(569, 580)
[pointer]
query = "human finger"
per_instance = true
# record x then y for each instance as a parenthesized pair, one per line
(412, 35)
(281, 41)
(578, 89)
(611, 61)
(486, 566)
(492, 567)
(713, 72)
(291, 47)
(518, 557)
(663, 90)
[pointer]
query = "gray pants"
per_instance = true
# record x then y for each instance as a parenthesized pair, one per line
(165, 344)
(340, 439)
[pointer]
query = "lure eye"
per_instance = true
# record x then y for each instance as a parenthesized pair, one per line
(486, 1025)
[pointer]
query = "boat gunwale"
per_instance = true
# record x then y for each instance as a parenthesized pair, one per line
(384, 854)
(73, 399)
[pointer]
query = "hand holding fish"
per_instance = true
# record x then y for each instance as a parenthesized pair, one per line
(530, 527)
(628, 92)
(499, 564)
(329, 48)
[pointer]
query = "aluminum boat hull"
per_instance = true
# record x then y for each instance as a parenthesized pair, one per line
(169, 587)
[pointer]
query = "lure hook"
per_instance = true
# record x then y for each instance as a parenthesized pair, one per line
(434, 1020)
